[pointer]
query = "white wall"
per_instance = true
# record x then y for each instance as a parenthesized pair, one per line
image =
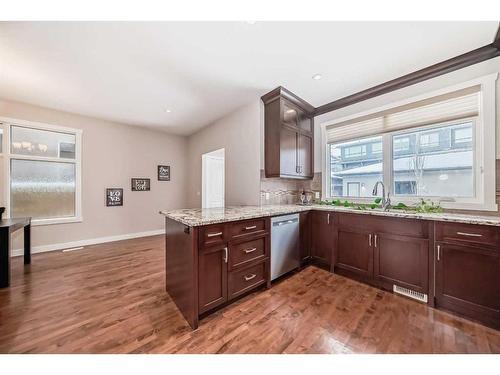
(450, 79)
(239, 133)
(112, 154)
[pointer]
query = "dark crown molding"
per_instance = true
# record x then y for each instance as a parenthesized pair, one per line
(281, 92)
(478, 55)
(473, 57)
(496, 42)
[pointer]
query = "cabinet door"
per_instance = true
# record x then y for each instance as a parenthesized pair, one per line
(305, 236)
(304, 154)
(401, 260)
(212, 277)
(468, 281)
(322, 236)
(288, 152)
(354, 252)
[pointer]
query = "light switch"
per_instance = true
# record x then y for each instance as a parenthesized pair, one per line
(267, 196)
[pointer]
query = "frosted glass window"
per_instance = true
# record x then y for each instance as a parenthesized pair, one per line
(42, 189)
(36, 142)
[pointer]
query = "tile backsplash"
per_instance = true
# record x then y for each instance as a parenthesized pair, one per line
(287, 191)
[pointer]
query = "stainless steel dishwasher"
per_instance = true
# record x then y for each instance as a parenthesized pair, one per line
(284, 244)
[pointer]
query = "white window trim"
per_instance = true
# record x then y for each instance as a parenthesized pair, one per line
(7, 156)
(485, 143)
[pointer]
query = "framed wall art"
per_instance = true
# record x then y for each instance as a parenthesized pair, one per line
(164, 173)
(114, 197)
(141, 184)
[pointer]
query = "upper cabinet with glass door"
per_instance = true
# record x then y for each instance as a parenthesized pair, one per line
(296, 117)
(289, 135)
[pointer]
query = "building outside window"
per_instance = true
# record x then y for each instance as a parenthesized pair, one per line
(42, 171)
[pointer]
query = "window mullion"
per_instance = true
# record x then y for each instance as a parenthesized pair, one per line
(387, 162)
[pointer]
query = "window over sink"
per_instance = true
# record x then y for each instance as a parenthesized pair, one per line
(439, 146)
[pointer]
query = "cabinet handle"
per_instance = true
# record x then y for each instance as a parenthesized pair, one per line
(370, 239)
(214, 234)
(250, 277)
(469, 234)
(438, 252)
(252, 227)
(375, 240)
(225, 255)
(328, 219)
(247, 251)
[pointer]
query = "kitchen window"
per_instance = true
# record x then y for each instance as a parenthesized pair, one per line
(42, 171)
(346, 172)
(439, 146)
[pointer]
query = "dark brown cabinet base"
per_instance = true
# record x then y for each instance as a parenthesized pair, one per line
(468, 272)
(208, 266)
(456, 266)
(383, 251)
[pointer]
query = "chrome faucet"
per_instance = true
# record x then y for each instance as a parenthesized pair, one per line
(386, 201)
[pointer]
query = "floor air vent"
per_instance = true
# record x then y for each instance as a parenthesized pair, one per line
(410, 293)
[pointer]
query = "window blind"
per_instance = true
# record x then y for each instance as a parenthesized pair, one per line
(451, 106)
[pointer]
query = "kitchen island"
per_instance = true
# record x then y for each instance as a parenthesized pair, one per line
(449, 261)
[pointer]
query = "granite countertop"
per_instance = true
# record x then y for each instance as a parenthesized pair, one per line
(196, 216)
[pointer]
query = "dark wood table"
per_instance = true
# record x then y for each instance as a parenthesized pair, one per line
(7, 227)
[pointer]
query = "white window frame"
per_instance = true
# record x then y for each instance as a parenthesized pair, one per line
(7, 156)
(485, 149)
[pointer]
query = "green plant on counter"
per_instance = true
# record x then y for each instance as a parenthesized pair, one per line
(428, 207)
(424, 206)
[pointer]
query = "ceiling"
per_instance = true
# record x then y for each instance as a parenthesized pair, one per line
(132, 72)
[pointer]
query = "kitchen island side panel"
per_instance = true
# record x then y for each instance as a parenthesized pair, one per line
(181, 265)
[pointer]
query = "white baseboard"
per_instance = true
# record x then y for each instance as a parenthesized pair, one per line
(92, 241)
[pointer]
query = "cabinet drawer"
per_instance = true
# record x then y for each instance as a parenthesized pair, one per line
(247, 227)
(390, 225)
(211, 235)
(468, 234)
(245, 279)
(245, 252)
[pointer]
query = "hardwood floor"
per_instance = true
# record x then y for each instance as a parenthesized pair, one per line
(110, 298)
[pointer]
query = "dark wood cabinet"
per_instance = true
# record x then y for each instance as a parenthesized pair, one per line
(289, 135)
(305, 236)
(383, 251)
(304, 155)
(210, 265)
(401, 260)
(322, 236)
(468, 272)
(354, 252)
(212, 277)
(456, 265)
(288, 152)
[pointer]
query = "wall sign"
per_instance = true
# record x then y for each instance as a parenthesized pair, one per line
(141, 184)
(164, 173)
(114, 197)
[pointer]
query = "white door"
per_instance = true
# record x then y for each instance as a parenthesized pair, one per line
(213, 179)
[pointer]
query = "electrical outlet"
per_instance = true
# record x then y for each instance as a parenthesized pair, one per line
(316, 195)
(267, 196)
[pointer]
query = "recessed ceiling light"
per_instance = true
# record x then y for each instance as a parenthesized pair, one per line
(316, 77)
(251, 22)
(168, 110)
